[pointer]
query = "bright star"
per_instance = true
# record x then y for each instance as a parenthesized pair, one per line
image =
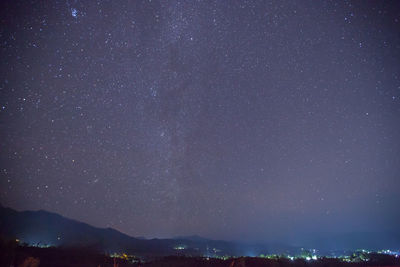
(74, 12)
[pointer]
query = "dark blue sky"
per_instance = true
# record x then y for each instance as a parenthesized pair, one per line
(251, 120)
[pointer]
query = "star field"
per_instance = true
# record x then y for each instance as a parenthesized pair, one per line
(245, 120)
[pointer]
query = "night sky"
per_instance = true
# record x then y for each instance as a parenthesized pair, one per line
(245, 120)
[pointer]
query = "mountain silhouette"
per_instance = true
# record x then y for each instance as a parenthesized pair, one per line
(42, 228)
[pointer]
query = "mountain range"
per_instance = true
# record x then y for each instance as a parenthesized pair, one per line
(42, 228)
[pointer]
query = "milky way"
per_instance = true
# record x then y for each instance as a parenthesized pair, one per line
(227, 119)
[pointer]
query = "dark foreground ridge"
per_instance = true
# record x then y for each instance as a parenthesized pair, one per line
(13, 254)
